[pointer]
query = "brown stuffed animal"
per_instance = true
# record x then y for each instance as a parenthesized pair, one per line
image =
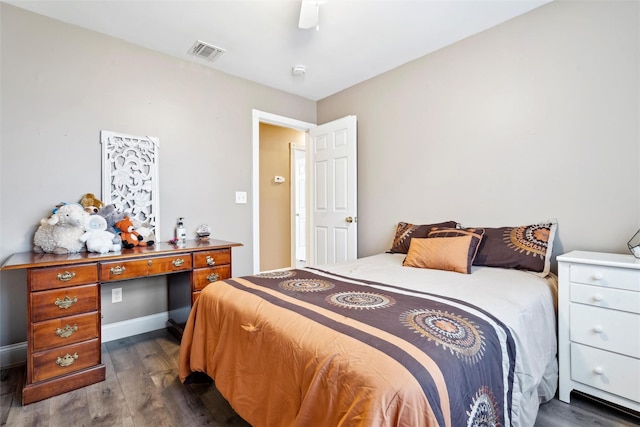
(91, 203)
(130, 237)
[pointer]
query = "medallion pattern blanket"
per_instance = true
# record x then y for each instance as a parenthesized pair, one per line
(306, 347)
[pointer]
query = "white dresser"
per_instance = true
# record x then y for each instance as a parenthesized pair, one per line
(599, 326)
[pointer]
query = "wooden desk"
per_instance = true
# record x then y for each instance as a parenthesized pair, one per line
(63, 304)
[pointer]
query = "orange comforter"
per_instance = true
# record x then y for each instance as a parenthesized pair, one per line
(278, 368)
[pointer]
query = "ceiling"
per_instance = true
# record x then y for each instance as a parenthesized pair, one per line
(355, 41)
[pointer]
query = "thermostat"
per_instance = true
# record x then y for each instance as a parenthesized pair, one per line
(278, 179)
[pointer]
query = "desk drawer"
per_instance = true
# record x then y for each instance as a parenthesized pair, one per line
(64, 360)
(112, 271)
(65, 330)
(169, 264)
(606, 371)
(203, 276)
(61, 277)
(606, 329)
(211, 258)
(610, 277)
(64, 302)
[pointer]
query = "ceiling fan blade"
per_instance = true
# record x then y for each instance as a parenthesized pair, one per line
(309, 14)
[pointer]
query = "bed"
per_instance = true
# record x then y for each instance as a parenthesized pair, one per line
(378, 342)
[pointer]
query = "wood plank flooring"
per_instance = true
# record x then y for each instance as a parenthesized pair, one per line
(142, 389)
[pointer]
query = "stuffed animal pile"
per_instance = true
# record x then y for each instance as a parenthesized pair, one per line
(89, 225)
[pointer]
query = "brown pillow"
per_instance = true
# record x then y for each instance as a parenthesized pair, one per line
(406, 231)
(440, 253)
(527, 247)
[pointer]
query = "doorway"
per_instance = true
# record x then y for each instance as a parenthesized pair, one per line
(285, 122)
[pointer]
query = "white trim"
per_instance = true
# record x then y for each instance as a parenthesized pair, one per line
(13, 354)
(272, 119)
(139, 325)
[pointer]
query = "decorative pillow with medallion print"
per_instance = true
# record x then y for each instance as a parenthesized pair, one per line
(527, 247)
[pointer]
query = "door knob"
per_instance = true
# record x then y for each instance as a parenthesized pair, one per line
(349, 219)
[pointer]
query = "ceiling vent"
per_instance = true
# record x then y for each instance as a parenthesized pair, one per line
(206, 51)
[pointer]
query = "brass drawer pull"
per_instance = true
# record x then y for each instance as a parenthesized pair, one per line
(118, 270)
(66, 302)
(67, 331)
(210, 260)
(66, 276)
(66, 360)
(178, 262)
(213, 277)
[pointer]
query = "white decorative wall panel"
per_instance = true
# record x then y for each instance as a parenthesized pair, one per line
(130, 176)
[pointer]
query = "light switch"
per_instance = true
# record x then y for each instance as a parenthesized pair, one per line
(241, 197)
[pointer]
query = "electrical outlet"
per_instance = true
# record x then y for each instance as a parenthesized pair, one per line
(116, 295)
(241, 197)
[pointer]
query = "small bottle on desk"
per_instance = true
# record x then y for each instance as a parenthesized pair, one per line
(181, 232)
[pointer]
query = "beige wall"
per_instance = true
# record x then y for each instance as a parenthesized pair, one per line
(62, 84)
(275, 198)
(533, 119)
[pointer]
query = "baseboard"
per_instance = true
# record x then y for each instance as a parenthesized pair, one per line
(139, 325)
(13, 354)
(16, 354)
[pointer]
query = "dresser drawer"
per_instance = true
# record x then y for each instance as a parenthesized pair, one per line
(609, 277)
(64, 360)
(617, 299)
(606, 371)
(211, 258)
(606, 329)
(64, 302)
(203, 276)
(61, 277)
(169, 264)
(66, 330)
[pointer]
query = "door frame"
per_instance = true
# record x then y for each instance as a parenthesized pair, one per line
(293, 179)
(272, 119)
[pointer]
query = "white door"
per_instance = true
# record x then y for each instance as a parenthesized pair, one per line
(333, 202)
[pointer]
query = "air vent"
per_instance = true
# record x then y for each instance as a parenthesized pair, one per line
(206, 51)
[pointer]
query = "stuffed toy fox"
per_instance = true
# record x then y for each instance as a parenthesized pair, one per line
(130, 237)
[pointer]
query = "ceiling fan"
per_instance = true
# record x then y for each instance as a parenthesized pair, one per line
(309, 14)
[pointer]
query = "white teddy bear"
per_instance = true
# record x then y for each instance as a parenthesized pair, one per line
(59, 234)
(97, 238)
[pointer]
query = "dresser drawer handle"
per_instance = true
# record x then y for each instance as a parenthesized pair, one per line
(598, 297)
(66, 276)
(178, 262)
(597, 276)
(213, 277)
(117, 270)
(66, 302)
(598, 329)
(67, 331)
(598, 370)
(210, 260)
(66, 360)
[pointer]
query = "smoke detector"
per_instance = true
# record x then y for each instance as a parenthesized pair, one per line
(206, 51)
(299, 70)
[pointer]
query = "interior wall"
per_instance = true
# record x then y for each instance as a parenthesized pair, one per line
(56, 100)
(275, 198)
(533, 119)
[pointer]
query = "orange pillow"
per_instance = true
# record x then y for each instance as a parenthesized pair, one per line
(441, 253)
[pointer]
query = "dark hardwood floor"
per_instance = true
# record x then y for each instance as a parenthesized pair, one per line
(142, 389)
